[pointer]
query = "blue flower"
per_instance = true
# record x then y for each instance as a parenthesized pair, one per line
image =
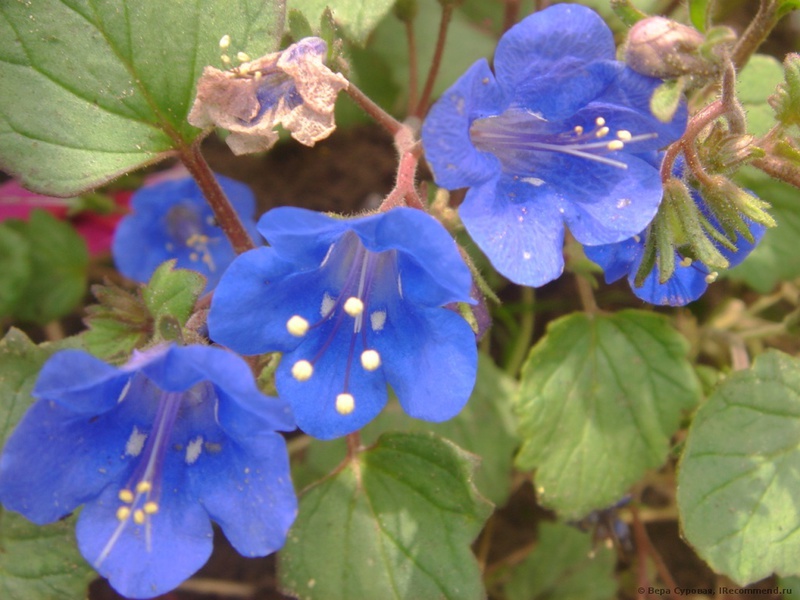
(156, 450)
(353, 304)
(554, 136)
(171, 219)
(690, 279)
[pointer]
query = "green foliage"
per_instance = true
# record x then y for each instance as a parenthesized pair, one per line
(666, 98)
(36, 563)
(786, 100)
(158, 311)
(396, 521)
(95, 90)
(756, 81)
(698, 13)
(357, 17)
(484, 427)
(599, 398)
(44, 268)
(738, 486)
(564, 565)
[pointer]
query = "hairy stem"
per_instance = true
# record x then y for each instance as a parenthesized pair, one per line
(693, 128)
(384, 119)
(779, 169)
(762, 24)
(444, 25)
(227, 218)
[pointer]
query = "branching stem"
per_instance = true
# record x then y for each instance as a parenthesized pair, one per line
(444, 25)
(384, 119)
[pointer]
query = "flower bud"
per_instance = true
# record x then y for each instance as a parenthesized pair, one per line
(659, 47)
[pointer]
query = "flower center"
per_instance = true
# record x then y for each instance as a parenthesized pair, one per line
(347, 308)
(187, 229)
(275, 86)
(519, 138)
(139, 498)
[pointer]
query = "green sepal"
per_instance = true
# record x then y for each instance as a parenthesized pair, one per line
(648, 258)
(298, 25)
(665, 249)
(695, 226)
(627, 12)
(698, 13)
(786, 99)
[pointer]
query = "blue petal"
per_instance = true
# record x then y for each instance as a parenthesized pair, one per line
(57, 459)
(455, 162)
(686, 285)
(521, 232)
(180, 542)
(79, 381)
(242, 410)
(417, 237)
(609, 204)
(556, 96)
(300, 236)
(539, 43)
(314, 401)
(430, 360)
(615, 259)
(253, 302)
(247, 489)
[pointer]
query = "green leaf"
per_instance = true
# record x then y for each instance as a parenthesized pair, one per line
(775, 258)
(599, 398)
(395, 522)
(173, 292)
(666, 98)
(756, 82)
(15, 268)
(564, 565)
(484, 427)
(738, 478)
(40, 562)
(91, 90)
(357, 17)
(698, 13)
(36, 563)
(59, 261)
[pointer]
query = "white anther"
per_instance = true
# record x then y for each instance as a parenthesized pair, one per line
(353, 306)
(225, 59)
(686, 261)
(242, 57)
(578, 130)
(297, 326)
(302, 370)
(637, 238)
(599, 121)
(150, 508)
(225, 42)
(143, 487)
(138, 516)
(345, 404)
(712, 277)
(615, 145)
(602, 132)
(370, 360)
(624, 135)
(126, 496)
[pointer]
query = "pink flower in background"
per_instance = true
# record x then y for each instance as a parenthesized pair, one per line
(95, 228)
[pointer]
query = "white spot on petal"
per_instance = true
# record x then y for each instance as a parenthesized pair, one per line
(377, 320)
(526, 255)
(327, 256)
(399, 285)
(327, 304)
(135, 443)
(623, 202)
(194, 449)
(534, 181)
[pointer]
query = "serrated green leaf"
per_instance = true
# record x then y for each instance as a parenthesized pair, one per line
(59, 261)
(173, 292)
(698, 13)
(484, 427)
(738, 478)
(396, 522)
(15, 268)
(599, 398)
(90, 90)
(36, 563)
(755, 83)
(40, 562)
(357, 17)
(564, 565)
(113, 340)
(775, 258)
